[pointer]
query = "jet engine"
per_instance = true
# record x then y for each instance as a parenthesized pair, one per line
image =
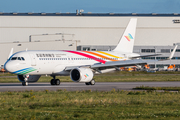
(30, 78)
(81, 75)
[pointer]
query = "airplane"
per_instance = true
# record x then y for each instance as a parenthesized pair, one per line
(29, 65)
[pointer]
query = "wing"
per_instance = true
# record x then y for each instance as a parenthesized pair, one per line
(115, 64)
(118, 64)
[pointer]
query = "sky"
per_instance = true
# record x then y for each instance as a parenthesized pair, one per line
(94, 6)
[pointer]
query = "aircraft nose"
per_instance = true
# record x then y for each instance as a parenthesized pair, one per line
(10, 66)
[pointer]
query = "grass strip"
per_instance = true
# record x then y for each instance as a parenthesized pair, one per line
(157, 88)
(92, 105)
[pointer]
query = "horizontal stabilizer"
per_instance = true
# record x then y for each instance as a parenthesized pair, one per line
(146, 55)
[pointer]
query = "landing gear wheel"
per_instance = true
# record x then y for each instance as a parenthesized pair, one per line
(57, 82)
(25, 83)
(87, 83)
(52, 82)
(92, 82)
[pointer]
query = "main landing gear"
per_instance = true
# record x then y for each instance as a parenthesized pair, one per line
(55, 81)
(92, 82)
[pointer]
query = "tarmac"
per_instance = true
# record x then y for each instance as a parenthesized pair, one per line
(72, 86)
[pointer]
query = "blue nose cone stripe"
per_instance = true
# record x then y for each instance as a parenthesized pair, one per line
(25, 71)
(9, 60)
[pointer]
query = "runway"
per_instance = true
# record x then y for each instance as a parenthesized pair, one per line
(71, 86)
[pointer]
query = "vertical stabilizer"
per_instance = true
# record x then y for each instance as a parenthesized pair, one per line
(126, 42)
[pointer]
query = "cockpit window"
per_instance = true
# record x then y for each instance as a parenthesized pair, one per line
(22, 58)
(19, 58)
(13, 58)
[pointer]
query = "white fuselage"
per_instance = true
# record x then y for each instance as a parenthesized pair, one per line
(55, 62)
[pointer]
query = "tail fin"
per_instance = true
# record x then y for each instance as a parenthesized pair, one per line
(127, 40)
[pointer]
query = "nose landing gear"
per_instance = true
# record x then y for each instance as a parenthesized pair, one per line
(25, 83)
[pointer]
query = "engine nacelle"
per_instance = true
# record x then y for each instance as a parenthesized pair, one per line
(81, 75)
(30, 78)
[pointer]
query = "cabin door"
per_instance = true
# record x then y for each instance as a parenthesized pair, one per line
(33, 60)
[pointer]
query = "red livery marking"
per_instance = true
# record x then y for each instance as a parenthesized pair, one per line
(86, 55)
(102, 56)
(127, 38)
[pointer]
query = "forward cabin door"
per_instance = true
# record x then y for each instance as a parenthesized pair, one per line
(33, 60)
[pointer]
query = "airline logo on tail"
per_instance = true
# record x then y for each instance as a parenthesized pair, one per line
(129, 37)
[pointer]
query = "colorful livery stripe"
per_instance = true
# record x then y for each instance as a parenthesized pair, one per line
(86, 55)
(24, 71)
(102, 56)
(108, 54)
